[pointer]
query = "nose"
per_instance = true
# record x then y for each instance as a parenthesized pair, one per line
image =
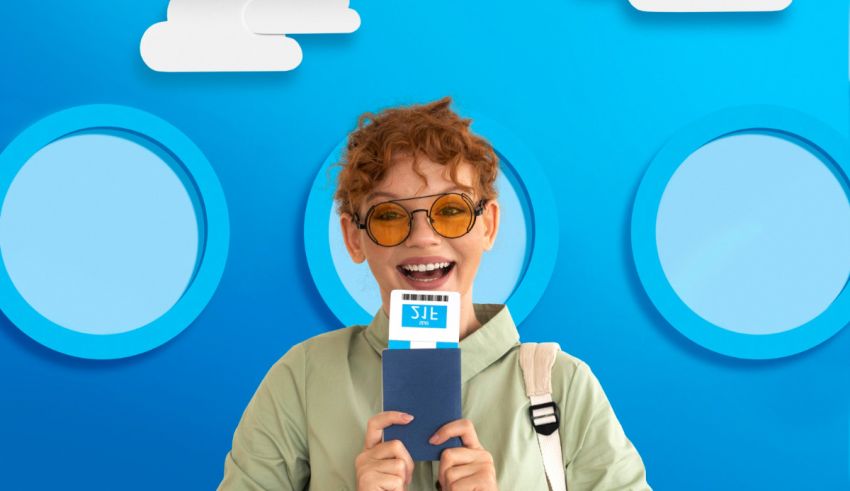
(421, 233)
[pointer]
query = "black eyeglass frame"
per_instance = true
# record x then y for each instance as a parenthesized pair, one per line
(477, 209)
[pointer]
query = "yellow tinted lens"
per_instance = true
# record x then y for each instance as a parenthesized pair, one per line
(388, 223)
(451, 215)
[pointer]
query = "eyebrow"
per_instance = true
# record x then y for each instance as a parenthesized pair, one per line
(377, 194)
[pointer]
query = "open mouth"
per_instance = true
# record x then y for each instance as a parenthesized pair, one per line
(426, 272)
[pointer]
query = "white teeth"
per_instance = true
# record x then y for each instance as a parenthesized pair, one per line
(425, 267)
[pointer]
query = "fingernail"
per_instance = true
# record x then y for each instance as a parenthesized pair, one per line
(407, 417)
(433, 439)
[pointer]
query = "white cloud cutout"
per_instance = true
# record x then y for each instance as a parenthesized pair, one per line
(211, 36)
(301, 17)
(710, 5)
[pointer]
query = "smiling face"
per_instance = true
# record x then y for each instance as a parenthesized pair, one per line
(441, 263)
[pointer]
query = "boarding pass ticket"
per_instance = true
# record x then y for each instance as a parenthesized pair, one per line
(424, 319)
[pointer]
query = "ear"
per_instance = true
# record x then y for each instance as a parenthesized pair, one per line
(351, 235)
(491, 223)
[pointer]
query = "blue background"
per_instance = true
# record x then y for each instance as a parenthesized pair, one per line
(423, 316)
(593, 87)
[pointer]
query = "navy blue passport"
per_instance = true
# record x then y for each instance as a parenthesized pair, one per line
(425, 383)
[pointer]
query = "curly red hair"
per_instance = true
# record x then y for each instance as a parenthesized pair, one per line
(432, 130)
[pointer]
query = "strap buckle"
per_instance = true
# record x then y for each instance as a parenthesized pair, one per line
(545, 428)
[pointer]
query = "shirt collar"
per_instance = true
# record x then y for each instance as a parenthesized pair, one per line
(485, 345)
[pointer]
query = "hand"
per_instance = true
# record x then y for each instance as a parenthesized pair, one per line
(384, 466)
(464, 468)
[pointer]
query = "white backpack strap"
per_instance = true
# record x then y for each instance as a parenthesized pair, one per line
(536, 361)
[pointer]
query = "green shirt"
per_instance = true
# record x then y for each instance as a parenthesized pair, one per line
(306, 422)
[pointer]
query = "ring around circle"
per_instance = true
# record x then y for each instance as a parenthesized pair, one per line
(769, 119)
(213, 222)
(541, 223)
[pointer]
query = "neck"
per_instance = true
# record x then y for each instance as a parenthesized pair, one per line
(468, 322)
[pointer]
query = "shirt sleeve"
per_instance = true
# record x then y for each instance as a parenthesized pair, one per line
(269, 449)
(600, 456)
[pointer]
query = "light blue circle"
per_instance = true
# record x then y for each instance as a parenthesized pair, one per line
(736, 223)
(98, 234)
(753, 231)
(351, 292)
(153, 212)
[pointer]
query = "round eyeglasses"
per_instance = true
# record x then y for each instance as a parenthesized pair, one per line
(452, 215)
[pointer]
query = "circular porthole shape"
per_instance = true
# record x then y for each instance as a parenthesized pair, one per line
(740, 232)
(515, 271)
(113, 231)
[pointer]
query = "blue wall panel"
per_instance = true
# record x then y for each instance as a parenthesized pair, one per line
(593, 87)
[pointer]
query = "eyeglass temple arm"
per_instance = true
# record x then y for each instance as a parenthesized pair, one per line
(356, 217)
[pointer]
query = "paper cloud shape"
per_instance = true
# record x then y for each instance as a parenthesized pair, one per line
(211, 36)
(710, 5)
(301, 17)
